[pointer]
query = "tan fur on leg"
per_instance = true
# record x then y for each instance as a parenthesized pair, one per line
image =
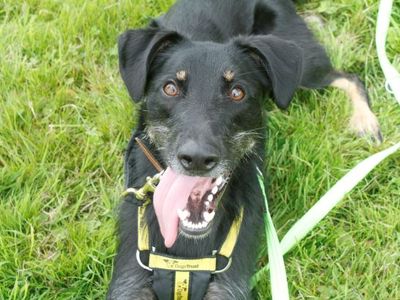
(363, 121)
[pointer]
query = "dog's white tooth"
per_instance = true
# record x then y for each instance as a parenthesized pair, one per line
(186, 213)
(207, 203)
(181, 214)
(204, 224)
(185, 223)
(183, 217)
(219, 180)
(208, 216)
(214, 190)
(197, 226)
(210, 198)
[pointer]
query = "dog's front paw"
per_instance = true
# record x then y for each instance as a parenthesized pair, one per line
(123, 293)
(364, 123)
(146, 294)
(216, 292)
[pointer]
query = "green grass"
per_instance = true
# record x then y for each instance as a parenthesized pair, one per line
(65, 120)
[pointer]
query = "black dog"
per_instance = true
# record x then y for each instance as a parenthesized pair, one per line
(203, 71)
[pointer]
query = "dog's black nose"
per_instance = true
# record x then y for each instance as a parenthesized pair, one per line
(194, 157)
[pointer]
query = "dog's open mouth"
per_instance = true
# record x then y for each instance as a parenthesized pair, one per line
(186, 203)
(196, 218)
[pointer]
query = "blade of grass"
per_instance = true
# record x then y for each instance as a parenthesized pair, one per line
(279, 286)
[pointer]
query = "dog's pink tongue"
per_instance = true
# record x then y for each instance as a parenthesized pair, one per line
(171, 194)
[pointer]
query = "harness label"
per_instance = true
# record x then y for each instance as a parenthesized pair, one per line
(163, 262)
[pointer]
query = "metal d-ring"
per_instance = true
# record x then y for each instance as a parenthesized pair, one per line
(140, 262)
(228, 265)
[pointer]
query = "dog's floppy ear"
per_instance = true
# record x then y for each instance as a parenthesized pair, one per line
(283, 63)
(137, 50)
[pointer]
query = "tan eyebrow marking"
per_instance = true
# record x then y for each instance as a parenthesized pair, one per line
(181, 75)
(228, 75)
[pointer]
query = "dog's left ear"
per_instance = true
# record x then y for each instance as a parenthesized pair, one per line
(282, 61)
(137, 49)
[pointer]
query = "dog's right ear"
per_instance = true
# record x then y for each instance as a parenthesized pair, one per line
(137, 49)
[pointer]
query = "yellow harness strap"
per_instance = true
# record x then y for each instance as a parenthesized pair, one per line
(143, 229)
(142, 195)
(230, 241)
(182, 285)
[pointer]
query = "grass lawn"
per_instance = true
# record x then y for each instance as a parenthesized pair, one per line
(65, 120)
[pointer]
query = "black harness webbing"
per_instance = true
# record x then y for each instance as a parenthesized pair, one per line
(176, 278)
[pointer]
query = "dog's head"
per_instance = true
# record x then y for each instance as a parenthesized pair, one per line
(203, 106)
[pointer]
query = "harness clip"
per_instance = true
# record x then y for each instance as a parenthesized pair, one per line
(146, 189)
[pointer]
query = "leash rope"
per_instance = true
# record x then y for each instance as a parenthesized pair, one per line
(276, 249)
(278, 279)
(392, 76)
(148, 155)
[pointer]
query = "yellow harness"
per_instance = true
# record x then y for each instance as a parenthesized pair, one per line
(181, 271)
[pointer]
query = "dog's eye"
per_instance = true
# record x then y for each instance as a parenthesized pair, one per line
(170, 89)
(237, 94)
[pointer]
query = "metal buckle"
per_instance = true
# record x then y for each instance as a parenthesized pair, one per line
(148, 187)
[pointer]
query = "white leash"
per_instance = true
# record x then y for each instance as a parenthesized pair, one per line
(276, 250)
(391, 75)
(279, 285)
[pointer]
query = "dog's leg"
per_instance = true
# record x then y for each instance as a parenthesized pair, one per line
(317, 69)
(122, 293)
(129, 280)
(363, 121)
(223, 290)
